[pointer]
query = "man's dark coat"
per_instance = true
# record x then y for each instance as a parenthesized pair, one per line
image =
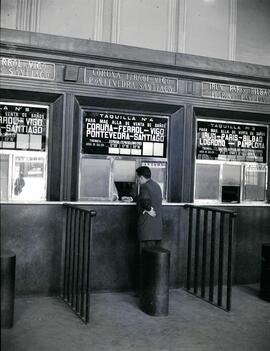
(149, 228)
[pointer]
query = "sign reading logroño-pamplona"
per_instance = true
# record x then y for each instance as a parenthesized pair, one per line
(231, 141)
(23, 127)
(13, 67)
(124, 134)
(130, 80)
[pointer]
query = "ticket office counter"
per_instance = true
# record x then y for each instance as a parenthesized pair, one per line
(102, 176)
(225, 161)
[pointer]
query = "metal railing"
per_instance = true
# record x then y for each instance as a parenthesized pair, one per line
(209, 257)
(76, 260)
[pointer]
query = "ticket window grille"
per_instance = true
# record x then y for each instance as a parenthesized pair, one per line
(23, 152)
(113, 146)
(231, 183)
(114, 178)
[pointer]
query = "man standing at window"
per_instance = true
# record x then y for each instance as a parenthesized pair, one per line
(149, 205)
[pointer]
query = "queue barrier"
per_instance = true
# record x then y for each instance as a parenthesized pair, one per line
(210, 253)
(77, 259)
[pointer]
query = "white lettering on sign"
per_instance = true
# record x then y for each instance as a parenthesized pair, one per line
(128, 80)
(235, 92)
(14, 67)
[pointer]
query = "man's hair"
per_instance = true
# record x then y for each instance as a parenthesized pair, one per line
(144, 171)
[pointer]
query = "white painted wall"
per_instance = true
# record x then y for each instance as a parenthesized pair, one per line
(8, 13)
(253, 31)
(207, 28)
(68, 18)
(228, 29)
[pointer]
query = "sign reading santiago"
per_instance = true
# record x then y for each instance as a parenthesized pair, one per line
(23, 127)
(115, 133)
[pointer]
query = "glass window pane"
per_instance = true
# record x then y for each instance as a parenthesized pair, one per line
(4, 171)
(95, 178)
(231, 175)
(29, 177)
(207, 182)
(255, 182)
(124, 171)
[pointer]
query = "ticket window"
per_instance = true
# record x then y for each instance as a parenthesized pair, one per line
(207, 182)
(23, 152)
(113, 146)
(95, 179)
(124, 180)
(231, 162)
(255, 182)
(231, 183)
(114, 179)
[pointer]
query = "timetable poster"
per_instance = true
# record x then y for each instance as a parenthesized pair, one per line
(23, 127)
(124, 134)
(231, 142)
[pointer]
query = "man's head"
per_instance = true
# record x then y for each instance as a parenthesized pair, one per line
(143, 174)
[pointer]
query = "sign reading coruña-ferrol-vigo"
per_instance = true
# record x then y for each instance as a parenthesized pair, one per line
(130, 80)
(235, 92)
(13, 67)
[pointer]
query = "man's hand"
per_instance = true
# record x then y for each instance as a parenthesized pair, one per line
(151, 213)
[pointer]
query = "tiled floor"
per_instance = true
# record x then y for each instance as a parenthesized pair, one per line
(117, 324)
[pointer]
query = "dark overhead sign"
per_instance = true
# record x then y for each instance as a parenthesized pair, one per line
(231, 141)
(116, 133)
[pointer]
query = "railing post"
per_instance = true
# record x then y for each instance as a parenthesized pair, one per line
(197, 243)
(189, 247)
(220, 259)
(229, 274)
(205, 226)
(212, 258)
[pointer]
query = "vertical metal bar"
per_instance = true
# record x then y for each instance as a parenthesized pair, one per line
(66, 249)
(212, 257)
(205, 226)
(84, 242)
(87, 305)
(78, 260)
(73, 258)
(220, 265)
(229, 274)
(197, 250)
(69, 280)
(189, 247)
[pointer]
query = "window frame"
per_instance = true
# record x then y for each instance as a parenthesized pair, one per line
(226, 162)
(13, 152)
(138, 159)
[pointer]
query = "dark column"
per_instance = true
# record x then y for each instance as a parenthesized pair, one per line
(8, 260)
(154, 295)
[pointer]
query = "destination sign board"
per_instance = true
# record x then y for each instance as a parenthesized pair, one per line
(23, 127)
(108, 78)
(235, 92)
(229, 141)
(14, 67)
(124, 134)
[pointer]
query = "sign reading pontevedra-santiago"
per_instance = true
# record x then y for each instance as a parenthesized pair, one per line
(23, 127)
(231, 141)
(124, 134)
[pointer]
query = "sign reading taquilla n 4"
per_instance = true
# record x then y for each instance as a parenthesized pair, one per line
(130, 80)
(235, 92)
(13, 67)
